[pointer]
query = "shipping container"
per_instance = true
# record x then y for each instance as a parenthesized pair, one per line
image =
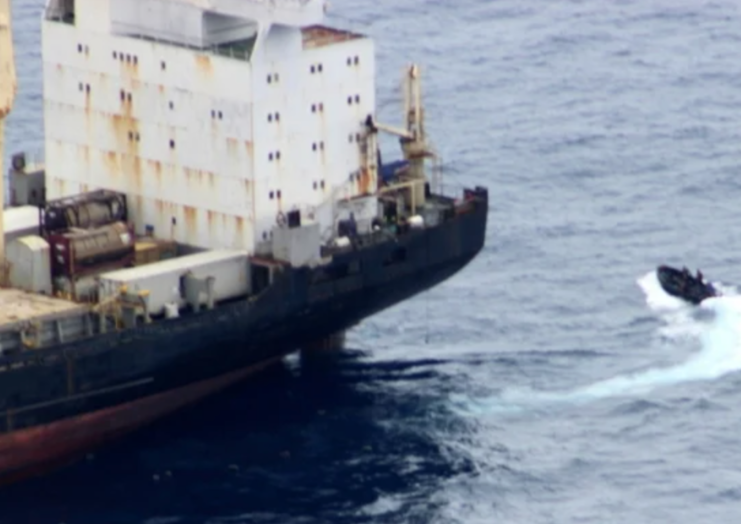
(30, 268)
(20, 222)
(79, 252)
(163, 280)
(86, 210)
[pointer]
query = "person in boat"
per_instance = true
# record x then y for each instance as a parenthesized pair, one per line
(683, 280)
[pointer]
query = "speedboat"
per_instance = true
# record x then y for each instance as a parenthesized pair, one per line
(682, 284)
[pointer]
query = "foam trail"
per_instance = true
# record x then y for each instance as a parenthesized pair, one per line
(720, 354)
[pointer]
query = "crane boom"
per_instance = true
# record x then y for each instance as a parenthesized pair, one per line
(8, 86)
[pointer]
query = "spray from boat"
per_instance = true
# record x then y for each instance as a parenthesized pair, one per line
(715, 324)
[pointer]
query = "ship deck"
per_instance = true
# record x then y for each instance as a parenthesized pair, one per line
(17, 307)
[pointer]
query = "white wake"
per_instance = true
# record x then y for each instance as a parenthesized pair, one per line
(715, 324)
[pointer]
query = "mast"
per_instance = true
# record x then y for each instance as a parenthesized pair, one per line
(7, 96)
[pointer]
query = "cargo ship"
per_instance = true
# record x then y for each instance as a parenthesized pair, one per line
(212, 198)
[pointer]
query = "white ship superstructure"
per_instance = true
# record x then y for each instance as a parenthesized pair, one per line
(214, 117)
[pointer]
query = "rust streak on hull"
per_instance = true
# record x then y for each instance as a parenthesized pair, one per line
(38, 450)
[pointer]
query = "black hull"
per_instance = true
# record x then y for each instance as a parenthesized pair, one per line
(684, 286)
(197, 351)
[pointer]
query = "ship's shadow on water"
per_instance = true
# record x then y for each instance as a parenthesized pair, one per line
(305, 441)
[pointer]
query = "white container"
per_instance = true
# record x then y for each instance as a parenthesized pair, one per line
(162, 279)
(20, 221)
(30, 266)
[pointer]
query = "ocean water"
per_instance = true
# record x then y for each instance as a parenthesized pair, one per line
(551, 381)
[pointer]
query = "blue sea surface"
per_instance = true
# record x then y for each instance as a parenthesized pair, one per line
(551, 381)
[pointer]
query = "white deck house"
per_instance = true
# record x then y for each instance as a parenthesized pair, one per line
(212, 116)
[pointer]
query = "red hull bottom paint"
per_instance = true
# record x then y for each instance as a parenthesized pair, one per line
(38, 450)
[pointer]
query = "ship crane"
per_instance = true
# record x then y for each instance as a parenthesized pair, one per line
(413, 140)
(8, 87)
